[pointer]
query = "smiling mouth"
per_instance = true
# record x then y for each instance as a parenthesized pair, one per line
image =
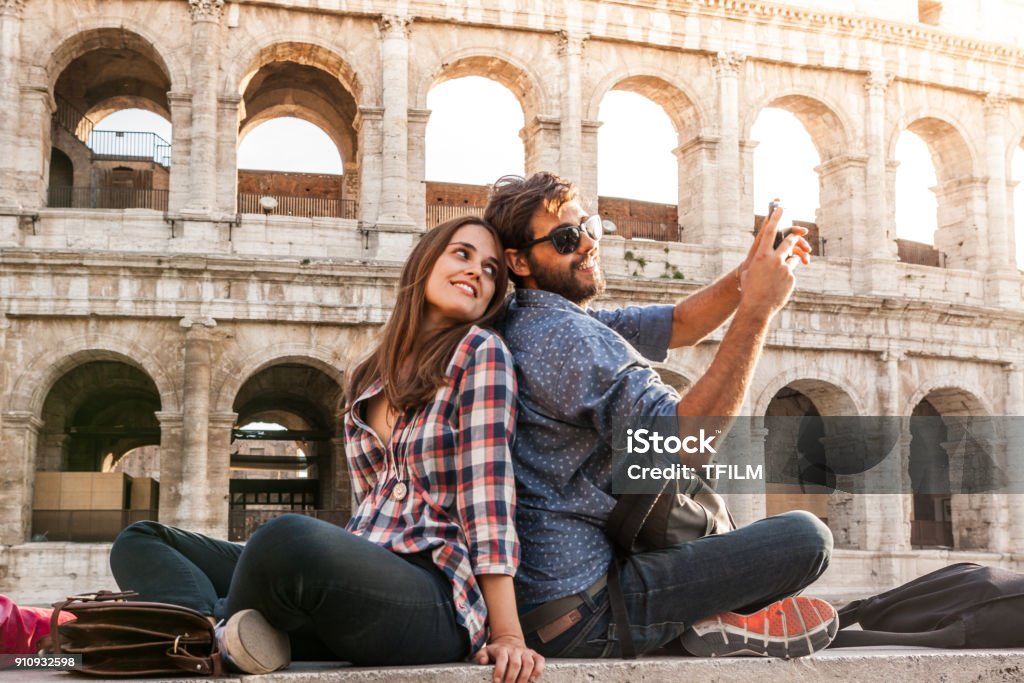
(588, 265)
(466, 288)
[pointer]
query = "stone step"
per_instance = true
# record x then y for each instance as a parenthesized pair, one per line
(888, 664)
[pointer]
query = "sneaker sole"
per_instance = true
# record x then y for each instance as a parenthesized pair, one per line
(254, 645)
(722, 638)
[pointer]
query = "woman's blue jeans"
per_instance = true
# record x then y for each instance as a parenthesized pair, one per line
(666, 591)
(338, 596)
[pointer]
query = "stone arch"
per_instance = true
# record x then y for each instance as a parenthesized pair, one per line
(302, 395)
(88, 35)
(825, 389)
(116, 104)
(31, 387)
(306, 80)
(680, 105)
(237, 371)
(956, 396)
(343, 143)
(946, 137)
(496, 65)
(303, 49)
(825, 121)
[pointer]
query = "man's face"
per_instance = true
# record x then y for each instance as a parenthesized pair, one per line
(576, 276)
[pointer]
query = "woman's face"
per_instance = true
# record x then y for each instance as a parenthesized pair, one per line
(462, 282)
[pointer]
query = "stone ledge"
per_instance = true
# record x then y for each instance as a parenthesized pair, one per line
(855, 664)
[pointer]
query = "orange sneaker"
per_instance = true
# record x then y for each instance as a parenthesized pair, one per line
(792, 627)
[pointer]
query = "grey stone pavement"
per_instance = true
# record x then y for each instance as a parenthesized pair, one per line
(888, 664)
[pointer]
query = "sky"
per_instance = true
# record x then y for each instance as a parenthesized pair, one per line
(472, 137)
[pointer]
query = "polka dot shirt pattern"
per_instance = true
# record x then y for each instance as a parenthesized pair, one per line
(577, 369)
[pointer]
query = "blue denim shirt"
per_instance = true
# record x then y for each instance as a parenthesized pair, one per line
(577, 369)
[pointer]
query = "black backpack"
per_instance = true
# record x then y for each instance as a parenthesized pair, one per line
(964, 605)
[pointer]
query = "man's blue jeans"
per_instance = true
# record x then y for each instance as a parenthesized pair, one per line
(666, 591)
(338, 596)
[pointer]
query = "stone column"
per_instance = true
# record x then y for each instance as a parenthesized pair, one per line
(961, 233)
(394, 209)
(196, 486)
(17, 474)
(10, 54)
(418, 167)
(587, 182)
(570, 51)
(734, 223)
(219, 472)
(368, 124)
(751, 506)
(840, 180)
(1002, 282)
(173, 508)
(227, 154)
(541, 144)
(206, 15)
(880, 233)
(1014, 430)
(181, 149)
(32, 148)
(697, 210)
(894, 520)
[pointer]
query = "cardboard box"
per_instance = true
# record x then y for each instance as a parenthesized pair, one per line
(47, 491)
(145, 494)
(109, 491)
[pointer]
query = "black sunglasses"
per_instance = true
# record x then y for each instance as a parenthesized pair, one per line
(566, 238)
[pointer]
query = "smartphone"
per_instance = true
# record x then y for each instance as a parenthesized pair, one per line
(781, 234)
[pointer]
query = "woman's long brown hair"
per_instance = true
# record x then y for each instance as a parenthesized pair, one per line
(411, 364)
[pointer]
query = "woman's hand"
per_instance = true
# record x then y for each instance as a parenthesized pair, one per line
(513, 661)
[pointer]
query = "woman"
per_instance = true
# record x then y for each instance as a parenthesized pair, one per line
(423, 571)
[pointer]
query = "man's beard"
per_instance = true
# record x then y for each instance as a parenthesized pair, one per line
(567, 282)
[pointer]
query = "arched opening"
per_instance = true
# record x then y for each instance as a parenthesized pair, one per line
(297, 138)
(286, 454)
(801, 460)
(472, 138)
(117, 72)
(636, 133)
(956, 191)
(915, 202)
(785, 163)
(95, 415)
(800, 153)
(952, 466)
(62, 178)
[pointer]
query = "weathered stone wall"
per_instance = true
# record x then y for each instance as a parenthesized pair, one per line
(201, 301)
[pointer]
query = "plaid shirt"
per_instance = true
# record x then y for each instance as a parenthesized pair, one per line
(454, 458)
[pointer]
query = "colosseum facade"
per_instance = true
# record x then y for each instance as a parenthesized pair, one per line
(150, 306)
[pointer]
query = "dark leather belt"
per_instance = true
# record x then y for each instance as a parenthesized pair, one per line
(554, 618)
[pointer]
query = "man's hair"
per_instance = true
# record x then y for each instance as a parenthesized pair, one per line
(514, 199)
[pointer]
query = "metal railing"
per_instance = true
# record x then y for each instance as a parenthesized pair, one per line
(242, 522)
(123, 144)
(631, 228)
(308, 207)
(106, 198)
(73, 121)
(439, 213)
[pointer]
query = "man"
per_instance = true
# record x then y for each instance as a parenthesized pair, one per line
(577, 370)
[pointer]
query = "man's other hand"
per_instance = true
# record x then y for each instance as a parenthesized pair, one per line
(766, 275)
